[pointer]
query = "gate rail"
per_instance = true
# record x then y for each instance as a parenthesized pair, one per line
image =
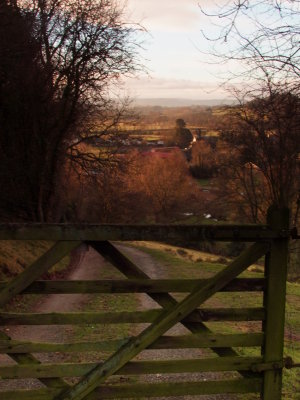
(256, 374)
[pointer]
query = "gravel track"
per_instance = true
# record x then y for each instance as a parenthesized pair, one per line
(88, 265)
(153, 269)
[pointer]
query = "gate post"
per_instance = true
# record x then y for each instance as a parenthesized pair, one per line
(274, 303)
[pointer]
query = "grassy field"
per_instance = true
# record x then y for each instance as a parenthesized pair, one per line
(178, 262)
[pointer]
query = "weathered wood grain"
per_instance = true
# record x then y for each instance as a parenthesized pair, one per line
(35, 270)
(274, 301)
(202, 340)
(132, 368)
(84, 232)
(75, 318)
(149, 390)
(165, 300)
(163, 323)
(29, 359)
(136, 286)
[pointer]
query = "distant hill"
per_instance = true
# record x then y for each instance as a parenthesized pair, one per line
(166, 102)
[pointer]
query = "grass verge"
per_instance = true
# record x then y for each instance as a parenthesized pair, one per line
(15, 255)
(187, 264)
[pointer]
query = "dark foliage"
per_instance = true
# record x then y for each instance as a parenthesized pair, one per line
(57, 62)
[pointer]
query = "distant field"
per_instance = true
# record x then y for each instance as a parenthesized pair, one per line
(219, 111)
(205, 183)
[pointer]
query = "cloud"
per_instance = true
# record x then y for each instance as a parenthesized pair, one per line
(170, 15)
(174, 88)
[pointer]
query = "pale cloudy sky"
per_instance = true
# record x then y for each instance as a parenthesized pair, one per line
(174, 51)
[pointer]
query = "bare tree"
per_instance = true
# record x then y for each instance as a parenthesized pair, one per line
(263, 36)
(149, 187)
(263, 151)
(203, 163)
(60, 61)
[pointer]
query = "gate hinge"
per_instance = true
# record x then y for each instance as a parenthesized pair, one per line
(287, 363)
(267, 366)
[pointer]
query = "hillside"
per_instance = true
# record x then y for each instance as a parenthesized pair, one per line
(16, 255)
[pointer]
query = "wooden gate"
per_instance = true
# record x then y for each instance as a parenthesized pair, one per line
(259, 374)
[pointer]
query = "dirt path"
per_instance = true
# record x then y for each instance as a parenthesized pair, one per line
(89, 267)
(153, 269)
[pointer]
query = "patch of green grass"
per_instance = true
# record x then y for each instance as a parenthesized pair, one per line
(174, 266)
(102, 332)
(187, 267)
(177, 263)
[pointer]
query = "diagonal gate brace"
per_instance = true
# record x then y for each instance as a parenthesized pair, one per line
(162, 324)
(30, 359)
(21, 282)
(165, 300)
(36, 269)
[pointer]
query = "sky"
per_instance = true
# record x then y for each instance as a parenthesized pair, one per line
(174, 51)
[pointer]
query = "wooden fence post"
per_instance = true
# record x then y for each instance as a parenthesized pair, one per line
(274, 303)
